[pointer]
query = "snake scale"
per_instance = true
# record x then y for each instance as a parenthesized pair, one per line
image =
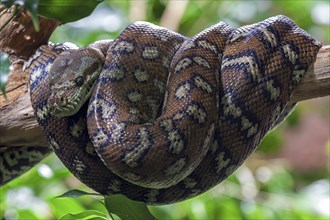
(160, 117)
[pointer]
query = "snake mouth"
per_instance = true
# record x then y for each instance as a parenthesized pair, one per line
(64, 105)
(64, 110)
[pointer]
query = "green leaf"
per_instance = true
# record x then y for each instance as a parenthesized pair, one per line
(66, 10)
(86, 215)
(32, 7)
(63, 206)
(61, 10)
(126, 208)
(76, 193)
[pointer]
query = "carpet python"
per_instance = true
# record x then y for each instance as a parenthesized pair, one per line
(160, 117)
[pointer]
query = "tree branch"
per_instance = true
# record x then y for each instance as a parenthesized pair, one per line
(316, 82)
(18, 126)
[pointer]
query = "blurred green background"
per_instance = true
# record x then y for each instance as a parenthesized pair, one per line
(286, 178)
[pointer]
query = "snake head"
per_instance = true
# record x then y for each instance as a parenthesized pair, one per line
(72, 78)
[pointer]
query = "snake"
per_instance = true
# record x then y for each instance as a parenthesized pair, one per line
(16, 161)
(159, 117)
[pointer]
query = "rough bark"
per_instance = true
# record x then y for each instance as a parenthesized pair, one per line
(19, 40)
(316, 82)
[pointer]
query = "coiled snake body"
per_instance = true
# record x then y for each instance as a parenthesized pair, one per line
(169, 117)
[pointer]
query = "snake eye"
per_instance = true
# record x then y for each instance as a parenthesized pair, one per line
(79, 81)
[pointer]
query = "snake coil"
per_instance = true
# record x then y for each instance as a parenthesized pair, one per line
(168, 117)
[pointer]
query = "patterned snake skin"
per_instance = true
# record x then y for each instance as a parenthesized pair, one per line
(168, 117)
(16, 161)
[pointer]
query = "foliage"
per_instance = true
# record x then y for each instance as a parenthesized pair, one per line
(267, 191)
(261, 189)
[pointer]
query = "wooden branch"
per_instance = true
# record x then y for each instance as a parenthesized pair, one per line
(18, 126)
(19, 40)
(316, 82)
